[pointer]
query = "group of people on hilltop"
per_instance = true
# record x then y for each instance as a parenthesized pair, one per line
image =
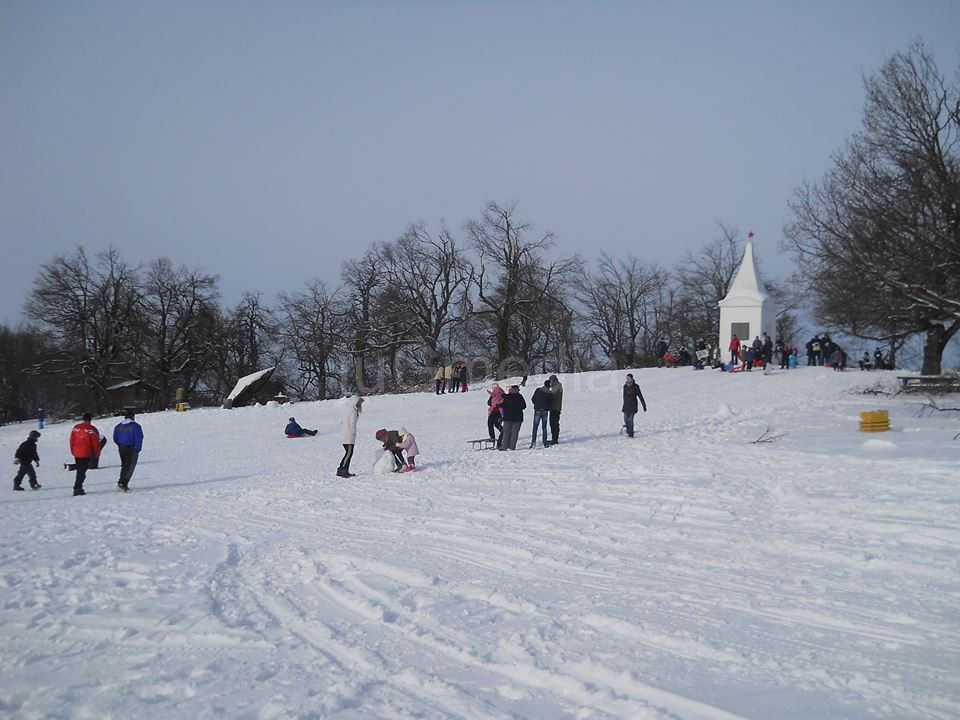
(823, 351)
(757, 354)
(86, 445)
(505, 413)
(878, 361)
(451, 378)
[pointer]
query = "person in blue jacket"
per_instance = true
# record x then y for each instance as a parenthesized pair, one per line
(128, 436)
(293, 429)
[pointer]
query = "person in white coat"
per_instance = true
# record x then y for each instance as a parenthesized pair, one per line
(348, 434)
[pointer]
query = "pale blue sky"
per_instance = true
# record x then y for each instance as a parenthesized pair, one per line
(269, 141)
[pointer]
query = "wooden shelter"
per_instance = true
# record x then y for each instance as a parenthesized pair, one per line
(136, 395)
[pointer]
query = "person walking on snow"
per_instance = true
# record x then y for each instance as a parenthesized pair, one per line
(85, 447)
(494, 419)
(449, 372)
(631, 396)
(409, 443)
(556, 406)
(541, 412)
(348, 434)
(128, 435)
(94, 461)
(41, 418)
(26, 455)
(513, 406)
(462, 376)
(439, 380)
(293, 429)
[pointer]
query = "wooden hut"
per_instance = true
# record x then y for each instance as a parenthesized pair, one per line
(136, 395)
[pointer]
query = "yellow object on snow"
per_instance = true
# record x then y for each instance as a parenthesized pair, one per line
(874, 421)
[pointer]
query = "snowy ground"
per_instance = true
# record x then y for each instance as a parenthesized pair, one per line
(684, 574)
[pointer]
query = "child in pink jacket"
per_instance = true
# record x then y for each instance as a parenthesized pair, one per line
(409, 443)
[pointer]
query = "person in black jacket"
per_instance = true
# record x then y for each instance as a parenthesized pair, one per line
(26, 454)
(513, 406)
(631, 395)
(556, 407)
(542, 399)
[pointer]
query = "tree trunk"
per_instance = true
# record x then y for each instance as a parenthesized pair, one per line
(934, 344)
(503, 349)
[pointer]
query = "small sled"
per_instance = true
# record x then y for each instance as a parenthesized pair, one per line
(483, 444)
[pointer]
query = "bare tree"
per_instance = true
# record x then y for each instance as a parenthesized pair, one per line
(427, 276)
(511, 273)
(704, 279)
(244, 340)
(617, 302)
(372, 324)
(92, 311)
(178, 304)
(310, 329)
(878, 238)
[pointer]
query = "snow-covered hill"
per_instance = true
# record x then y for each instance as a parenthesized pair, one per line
(684, 574)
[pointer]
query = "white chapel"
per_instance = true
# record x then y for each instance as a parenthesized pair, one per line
(747, 311)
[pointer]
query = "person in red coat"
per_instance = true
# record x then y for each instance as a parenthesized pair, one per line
(734, 350)
(84, 446)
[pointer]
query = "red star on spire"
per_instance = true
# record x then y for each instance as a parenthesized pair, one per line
(750, 234)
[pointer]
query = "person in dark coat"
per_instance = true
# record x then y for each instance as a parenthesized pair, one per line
(128, 435)
(556, 407)
(767, 351)
(462, 374)
(662, 348)
(26, 455)
(878, 359)
(631, 397)
(391, 442)
(542, 398)
(512, 409)
(293, 430)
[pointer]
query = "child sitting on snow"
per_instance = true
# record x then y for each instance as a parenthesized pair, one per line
(409, 443)
(293, 430)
